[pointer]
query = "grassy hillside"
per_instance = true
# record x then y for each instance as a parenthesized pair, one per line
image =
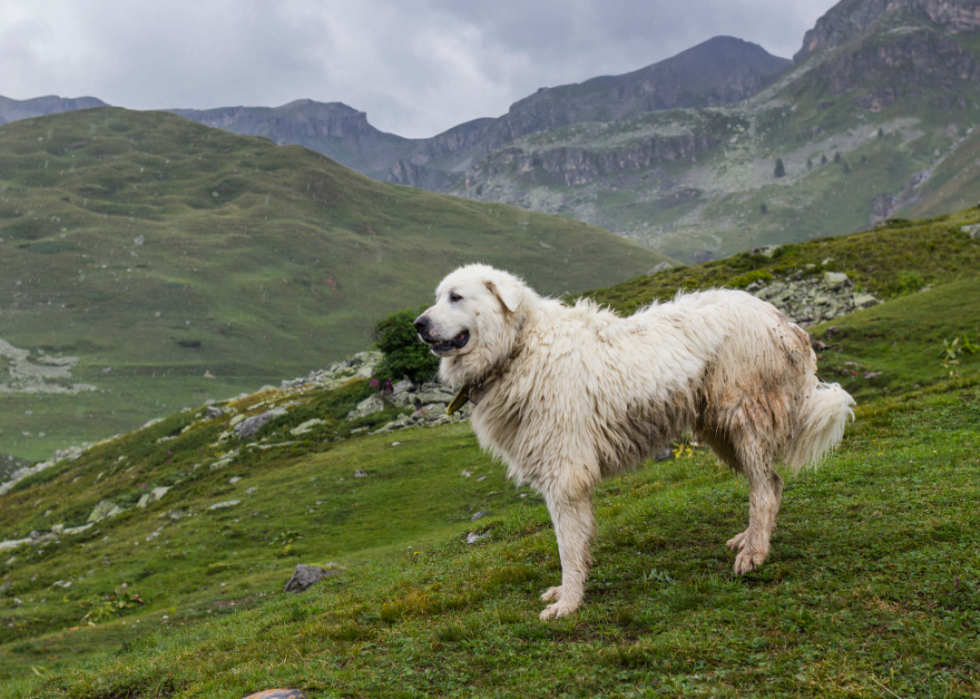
(161, 253)
(872, 587)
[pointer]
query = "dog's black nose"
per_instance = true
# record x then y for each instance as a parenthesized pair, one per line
(421, 324)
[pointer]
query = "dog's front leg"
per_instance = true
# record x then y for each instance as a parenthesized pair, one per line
(574, 527)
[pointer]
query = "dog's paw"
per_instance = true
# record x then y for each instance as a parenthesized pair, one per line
(737, 542)
(747, 561)
(552, 594)
(557, 610)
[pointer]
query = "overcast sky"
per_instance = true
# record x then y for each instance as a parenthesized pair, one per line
(417, 67)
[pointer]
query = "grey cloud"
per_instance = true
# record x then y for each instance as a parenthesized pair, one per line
(415, 68)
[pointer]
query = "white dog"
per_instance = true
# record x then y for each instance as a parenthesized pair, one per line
(569, 395)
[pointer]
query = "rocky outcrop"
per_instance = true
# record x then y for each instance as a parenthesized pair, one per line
(921, 59)
(847, 20)
(576, 166)
(12, 110)
(298, 118)
(811, 301)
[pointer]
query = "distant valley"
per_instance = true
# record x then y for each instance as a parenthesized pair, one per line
(150, 263)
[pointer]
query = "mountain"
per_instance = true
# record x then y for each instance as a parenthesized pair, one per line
(334, 129)
(12, 110)
(867, 124)
(722, 70)
(149, 262)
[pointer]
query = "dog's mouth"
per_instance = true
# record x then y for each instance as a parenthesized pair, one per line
(447, 346)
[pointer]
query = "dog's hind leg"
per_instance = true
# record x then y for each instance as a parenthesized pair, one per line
(574, 528)
(765, 495)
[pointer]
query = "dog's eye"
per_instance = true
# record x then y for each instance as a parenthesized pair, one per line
(454, 297)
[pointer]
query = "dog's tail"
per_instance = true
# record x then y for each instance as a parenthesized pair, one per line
(820, 422)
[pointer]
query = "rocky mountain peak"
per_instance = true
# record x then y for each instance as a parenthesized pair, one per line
(849, 18)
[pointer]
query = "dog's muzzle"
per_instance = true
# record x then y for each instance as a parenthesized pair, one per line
(424, 328)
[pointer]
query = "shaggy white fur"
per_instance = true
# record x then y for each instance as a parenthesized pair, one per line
(566, 396)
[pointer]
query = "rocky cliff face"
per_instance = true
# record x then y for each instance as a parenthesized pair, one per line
(848, 19)
(13, 110)
(301, 118)
(333, 128)
(722, 70)
(573, 166)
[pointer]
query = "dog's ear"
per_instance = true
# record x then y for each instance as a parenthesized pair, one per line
(508, 290)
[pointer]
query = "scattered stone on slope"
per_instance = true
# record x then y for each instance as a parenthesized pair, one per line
(479, 515)
(224, 505)
(278, 694)
(248, 427)
(304, 577)
(972, 230)
(811, 301)
(154, 495)
(104, 510)
(305, 427)
(368, 406)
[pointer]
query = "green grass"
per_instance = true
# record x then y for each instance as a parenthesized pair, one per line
(257, 262)
(889, 261)
(872, 587)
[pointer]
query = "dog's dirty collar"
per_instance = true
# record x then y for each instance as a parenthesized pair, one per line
(461, 399)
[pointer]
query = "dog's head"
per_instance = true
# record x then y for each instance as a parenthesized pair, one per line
(474, 322)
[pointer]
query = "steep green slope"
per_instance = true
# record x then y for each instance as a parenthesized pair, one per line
(839, 609)
(161, 253)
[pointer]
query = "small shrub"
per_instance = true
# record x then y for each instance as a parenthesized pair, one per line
(404, 354)
(908, 283)
(742, 281)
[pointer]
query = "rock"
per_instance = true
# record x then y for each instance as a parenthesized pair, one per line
(250, 426)
(663, 266)
(153, 496)
(664, 454)
(439, 395)
(835, 279)
(368, 406)
(224, 460)
(305, 577)
(361, 474)
(223, 505)
(278, 694)
(871, 374)
(214, 411)
(865, 300)
(479, 515)
(481, 478)
(104, 510)
(176, 514)
(767, 250)
(432, 411)
(473, 537)
(401, 387)
(973, 231)
(403, 400)
(6, 586)
(58, 529)
(466, 474)
(305, 427)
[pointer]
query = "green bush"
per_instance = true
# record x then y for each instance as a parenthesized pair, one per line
(742, 281)
(405, 356)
